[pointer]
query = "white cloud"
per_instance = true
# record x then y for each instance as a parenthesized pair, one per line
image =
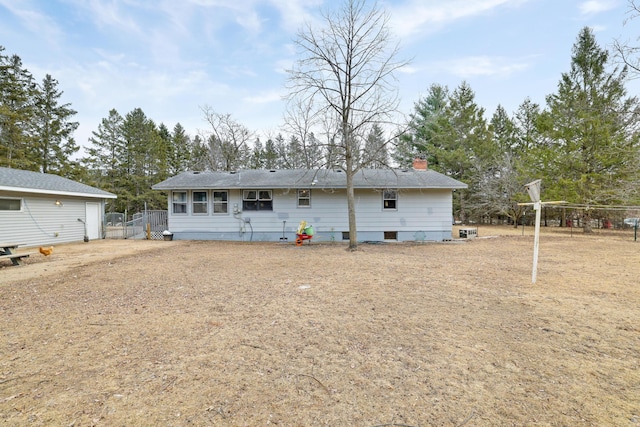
(33, 20)
(427, 16)
(592, 7)
(471, 66)
(109, 15)
(264, 97)
(295, 13)
(409, 69)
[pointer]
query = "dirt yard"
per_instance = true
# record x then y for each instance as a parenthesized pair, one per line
(133, 333)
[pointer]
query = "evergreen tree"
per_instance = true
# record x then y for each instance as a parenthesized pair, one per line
(375, 153)
(526, 126)
(257, 155)
(270, 155)
(199, 155)
(52, 143)
(425, 124)
(591, 124)
(143, 151)
(281, 151)
(182, 151)
(457, 141)
(164, 149)
(105, 159)
(294, 158)
(17, 93)
(500, 183)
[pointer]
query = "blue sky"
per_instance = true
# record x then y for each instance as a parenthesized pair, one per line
(171, 58)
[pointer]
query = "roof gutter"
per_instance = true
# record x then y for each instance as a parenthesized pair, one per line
(58, 193)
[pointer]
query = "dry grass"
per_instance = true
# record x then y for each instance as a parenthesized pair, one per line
(237, 334)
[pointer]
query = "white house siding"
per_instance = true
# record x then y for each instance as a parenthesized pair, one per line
(41, 221)
(421, 215)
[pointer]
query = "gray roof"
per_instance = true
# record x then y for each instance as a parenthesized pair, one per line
(306, 178)
(45, 183)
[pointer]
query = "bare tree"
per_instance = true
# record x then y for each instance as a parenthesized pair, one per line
(347, 71)
(227, 141)
(300, 119)
(626, 52)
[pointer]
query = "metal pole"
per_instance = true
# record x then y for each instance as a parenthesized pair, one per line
(537, 206)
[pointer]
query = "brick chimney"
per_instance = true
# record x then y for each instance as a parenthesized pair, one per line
(420, 164)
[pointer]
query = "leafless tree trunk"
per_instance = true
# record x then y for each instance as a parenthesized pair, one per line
(347, 71)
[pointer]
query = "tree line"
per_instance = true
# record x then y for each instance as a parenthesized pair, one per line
(583, 142)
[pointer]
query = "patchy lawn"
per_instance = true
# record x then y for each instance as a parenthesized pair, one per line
(245, 334)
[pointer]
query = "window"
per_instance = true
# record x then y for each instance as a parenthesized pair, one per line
(199, 202)
(345, 235)
(390, 235)
(220, 202)
(179, 202)
(10, 204)
(390, 199)
(304, 198)
(257, 200)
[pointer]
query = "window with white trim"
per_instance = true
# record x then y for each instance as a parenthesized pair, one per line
(390, 199)
(257, 200)
(7, 204)
(179, 202)
(304, 198)
(199, 203)
(220, 202)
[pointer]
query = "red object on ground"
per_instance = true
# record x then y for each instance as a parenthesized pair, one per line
(302, 237)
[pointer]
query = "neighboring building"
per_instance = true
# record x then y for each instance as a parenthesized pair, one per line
(268, 205)
(44, 209)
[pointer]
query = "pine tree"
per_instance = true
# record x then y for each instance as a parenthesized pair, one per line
(424, 125)
(270, 155)
(17, 93)
(182, 151)
(458, 143)
(590, 123)
(375, 153)
(500, 181)
(53, 144)
(106, 158)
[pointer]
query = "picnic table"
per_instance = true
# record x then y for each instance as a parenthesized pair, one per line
(8, 251)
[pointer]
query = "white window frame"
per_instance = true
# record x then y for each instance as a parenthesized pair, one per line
(305, 198)
(224, 202)
(18, 199)
(175, 203)
(202, 204)
(386, 197)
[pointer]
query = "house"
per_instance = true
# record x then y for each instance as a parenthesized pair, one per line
(44, 209)
(267, 205)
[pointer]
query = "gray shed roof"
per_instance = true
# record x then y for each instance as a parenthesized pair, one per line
(306, 178)
(44, 183)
